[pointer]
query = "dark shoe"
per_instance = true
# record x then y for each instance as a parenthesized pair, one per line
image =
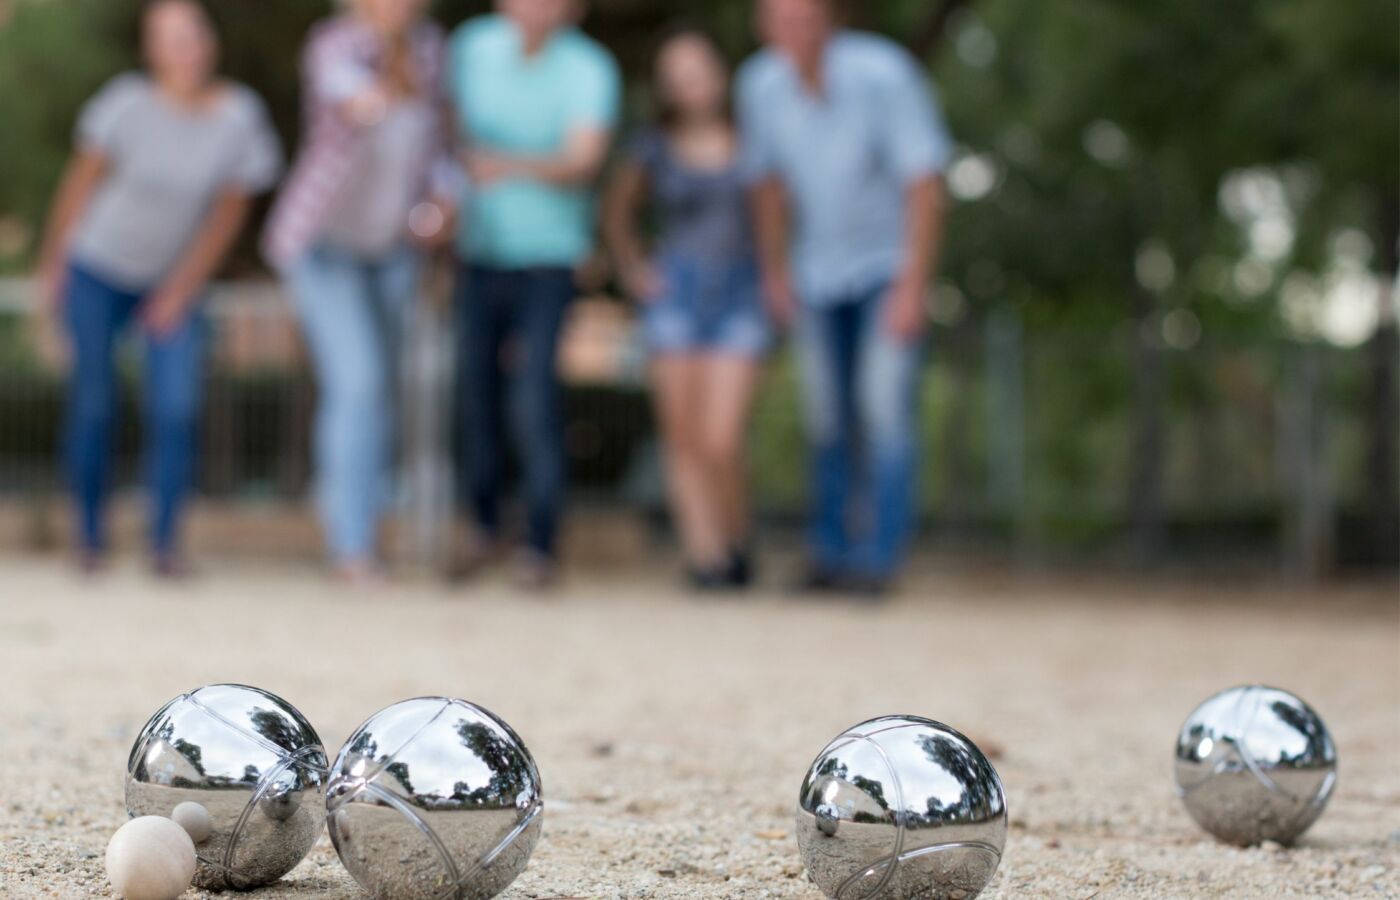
(171, 567)
(740, 572)
(89, 562)
(536, 572)
(869, 587)
(472, 555)
(818, 579)
(360, 574)
(708, 581)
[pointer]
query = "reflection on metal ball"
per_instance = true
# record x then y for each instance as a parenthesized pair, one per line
(901, 808)
(434, 799)
(252, 762)
(1255, 764)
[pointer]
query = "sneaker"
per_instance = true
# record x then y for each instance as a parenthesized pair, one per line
(360, 574)
(89, 562)
(472, 555)
(708, 580)
(818, 579)
(171, 567)
(740, 571)
(874, 588)
(536, 572)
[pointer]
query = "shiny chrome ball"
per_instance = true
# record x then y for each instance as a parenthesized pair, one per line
(252, 762)
(434, 799)
(901, 808)
(1255, 764)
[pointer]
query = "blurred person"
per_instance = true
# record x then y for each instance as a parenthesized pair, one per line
(370, 193)
(848, 144)
(536, 101)
(704, 318)
(167, 163)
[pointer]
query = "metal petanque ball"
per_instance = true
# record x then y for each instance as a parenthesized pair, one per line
(1255, 764)
(901, 808)
(255, 766)
(434, 799)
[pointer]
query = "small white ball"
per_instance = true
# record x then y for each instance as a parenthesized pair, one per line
(150, 858)
(194, 818)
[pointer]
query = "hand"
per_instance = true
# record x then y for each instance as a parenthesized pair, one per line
(904, 310)
(369, 107)
(432, 224)
(780, 297)
(485, 168)
(51, 283)
(50, 340)
(51, 343)
(643, 282)
(166, 309)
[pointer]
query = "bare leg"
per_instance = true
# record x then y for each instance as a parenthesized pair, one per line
(677, 380)
(729, 385)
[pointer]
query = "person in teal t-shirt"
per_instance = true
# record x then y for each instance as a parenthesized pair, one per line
(536, 101)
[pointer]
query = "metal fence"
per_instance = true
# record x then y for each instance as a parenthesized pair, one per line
(1030, 440)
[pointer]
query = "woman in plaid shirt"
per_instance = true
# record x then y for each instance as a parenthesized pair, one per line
(368, 194)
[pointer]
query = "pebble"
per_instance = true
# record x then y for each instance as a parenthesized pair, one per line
(150, 858)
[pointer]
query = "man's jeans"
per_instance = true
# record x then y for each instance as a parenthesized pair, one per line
(509, 327)
(861, 386)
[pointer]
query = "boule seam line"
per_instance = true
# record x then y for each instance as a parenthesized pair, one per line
(535, 811)
(403, 808)
(263, 785)
(893, 858)
(251, 735)
(1248, 758)
(406, 810)
(389, 759)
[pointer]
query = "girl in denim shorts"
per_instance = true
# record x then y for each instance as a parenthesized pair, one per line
(702, 310)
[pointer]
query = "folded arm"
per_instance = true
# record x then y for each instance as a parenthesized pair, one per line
(578, 163)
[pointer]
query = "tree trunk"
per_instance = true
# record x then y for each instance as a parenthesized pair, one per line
(1149, 431)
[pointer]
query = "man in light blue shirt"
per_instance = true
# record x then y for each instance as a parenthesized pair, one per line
(846, 144)
(537, 101)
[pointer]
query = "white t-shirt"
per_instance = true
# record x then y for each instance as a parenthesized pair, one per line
(166, 166)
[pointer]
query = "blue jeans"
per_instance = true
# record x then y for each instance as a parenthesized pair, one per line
(352, 311)
(707, 308)
(509, 327)
(97, 312)
(860, 385)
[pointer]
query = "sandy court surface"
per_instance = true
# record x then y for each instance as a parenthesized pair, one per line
(672, 734)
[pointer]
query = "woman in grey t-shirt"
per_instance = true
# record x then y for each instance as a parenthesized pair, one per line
(166, 165)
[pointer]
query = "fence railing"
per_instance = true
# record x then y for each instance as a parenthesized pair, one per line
(1030, 439)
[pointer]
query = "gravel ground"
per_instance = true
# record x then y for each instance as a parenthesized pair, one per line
(672, 734)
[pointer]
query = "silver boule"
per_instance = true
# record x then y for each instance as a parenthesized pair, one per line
(1255, 764)
(901, 808)
(434, 799)
(230, 748)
